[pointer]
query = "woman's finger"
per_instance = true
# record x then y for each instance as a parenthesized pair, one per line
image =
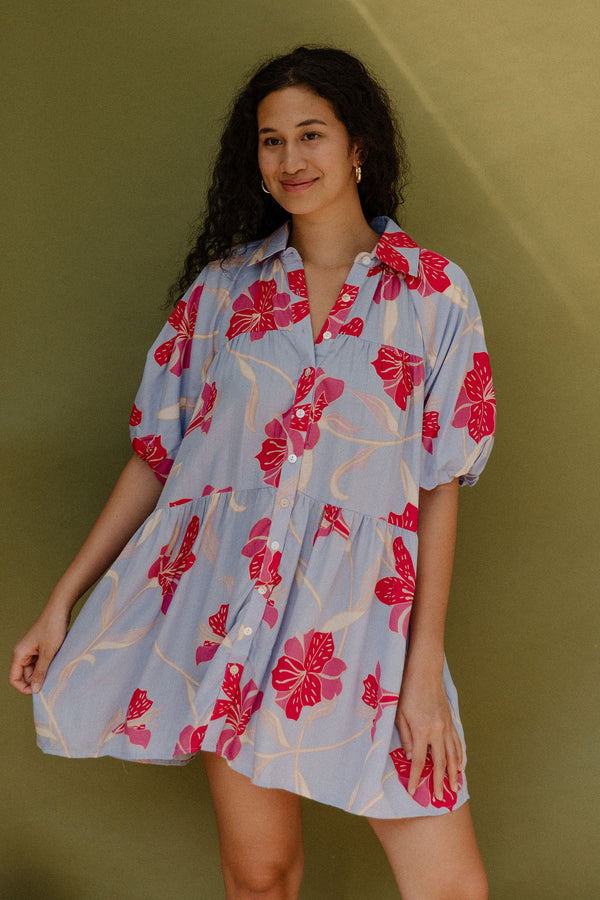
(419, 754)
(438, 755)
(405, 735)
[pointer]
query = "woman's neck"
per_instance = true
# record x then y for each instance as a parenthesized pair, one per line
(332, 241)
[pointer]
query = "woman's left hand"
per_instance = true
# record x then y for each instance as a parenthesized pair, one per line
(424, 720)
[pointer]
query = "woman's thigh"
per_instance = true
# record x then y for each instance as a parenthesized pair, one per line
(434, 857)
(260, 831)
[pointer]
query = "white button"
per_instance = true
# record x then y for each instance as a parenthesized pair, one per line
(247, 630)
(366, 260)
(346, 297)
(327, 336)
(308, 372)
(300, 413)
(262, 589)
(285, 502)
(274, 545)
(292, 458)
(234, 669)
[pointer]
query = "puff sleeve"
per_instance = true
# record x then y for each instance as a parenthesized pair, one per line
(173, 378)
(460, 408)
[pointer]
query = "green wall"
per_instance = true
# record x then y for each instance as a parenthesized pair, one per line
(112, 113)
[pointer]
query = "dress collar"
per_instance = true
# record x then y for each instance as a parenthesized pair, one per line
(393, 240)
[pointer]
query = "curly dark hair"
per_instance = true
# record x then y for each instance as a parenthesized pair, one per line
(237, 210)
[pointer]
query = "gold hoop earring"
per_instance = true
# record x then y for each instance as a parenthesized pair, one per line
(262, 184)
(358, 174)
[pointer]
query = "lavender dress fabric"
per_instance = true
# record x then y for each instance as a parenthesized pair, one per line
(261, 612)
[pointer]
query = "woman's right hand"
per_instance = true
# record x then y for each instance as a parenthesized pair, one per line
(36, 650)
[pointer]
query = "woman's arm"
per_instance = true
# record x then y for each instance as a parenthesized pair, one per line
(424, 717)
(132, 500)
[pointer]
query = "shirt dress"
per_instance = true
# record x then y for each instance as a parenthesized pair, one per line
(262, 610)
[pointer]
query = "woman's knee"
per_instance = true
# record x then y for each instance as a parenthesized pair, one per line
(265, 875)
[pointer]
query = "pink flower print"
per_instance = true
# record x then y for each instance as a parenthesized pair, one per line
(151, 449)
(209, 489)
(307, 673)
(168, 570)
(476, 404)
(218, 625)
(264, 563)
(387, 251)
(178, 349)
(408, 519)
(398, 592)
(390, 282)
(190, 740)
(432, 277)
(399, 371)
(327, 390)
(376, 697)
(261, 309)
(333, 520)
(424, 794)
(431, 429)
(136, 712)
(297, 283)
(353, 327)
(231, 689)
(136, 416)
(273, 452)
(203, 417)
(242, 708)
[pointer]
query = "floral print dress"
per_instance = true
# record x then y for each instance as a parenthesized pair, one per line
(262, 610)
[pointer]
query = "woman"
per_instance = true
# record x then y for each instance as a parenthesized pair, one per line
(304, 421)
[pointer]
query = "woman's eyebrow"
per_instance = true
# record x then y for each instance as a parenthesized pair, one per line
(299, 125)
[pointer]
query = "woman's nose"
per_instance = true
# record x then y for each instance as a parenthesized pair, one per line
(292, 158)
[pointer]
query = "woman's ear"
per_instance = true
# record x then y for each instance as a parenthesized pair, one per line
(359, 154)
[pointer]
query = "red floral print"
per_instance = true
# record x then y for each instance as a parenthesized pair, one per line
(390, 282)
(307, 673)
(168, 570)
(136, 416)
(264, 562)
(203, 417)
(218, 625)
(273, 452)
(333, 520)
(190, 740)
(353, 327)
(262, 309)
(300, 310)
(476, 404)
(297, 430)
(336, 317)
(151, 449)
(398, 592)
(408, 519)
(424, 794)
(432, 277)
(387, 251)
(242, 708)
(139, 733)
(376, 697)
(400, 372)
(177, 351)
(431, 429)
(297, 283)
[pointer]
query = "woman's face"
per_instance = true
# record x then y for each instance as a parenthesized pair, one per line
(304, 153)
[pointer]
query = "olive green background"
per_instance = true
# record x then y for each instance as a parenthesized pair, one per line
(112, 112)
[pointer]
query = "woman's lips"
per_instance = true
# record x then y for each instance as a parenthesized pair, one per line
(294, 187)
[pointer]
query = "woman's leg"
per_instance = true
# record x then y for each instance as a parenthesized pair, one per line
(434, 857)
(260, 834)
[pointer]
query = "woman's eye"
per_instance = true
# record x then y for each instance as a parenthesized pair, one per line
(311, 135)
(271, 142)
